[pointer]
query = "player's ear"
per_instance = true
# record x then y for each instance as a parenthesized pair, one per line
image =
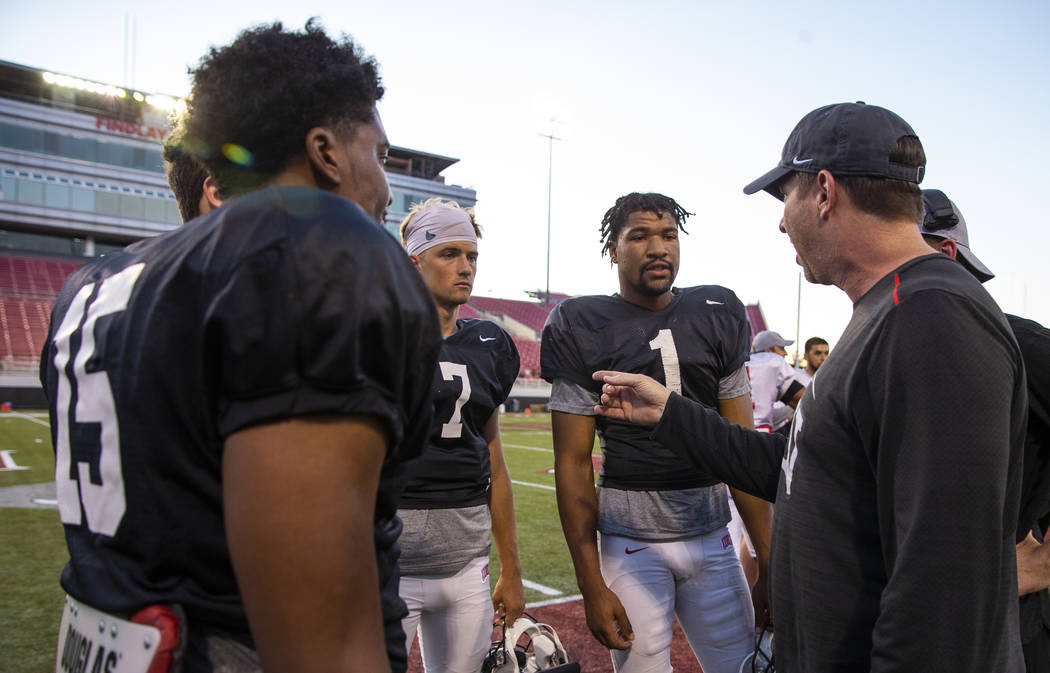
(612, 251)
(323, 156)
(211, 193)
(415, 260)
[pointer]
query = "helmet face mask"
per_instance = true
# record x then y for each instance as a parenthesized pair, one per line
(528, 646)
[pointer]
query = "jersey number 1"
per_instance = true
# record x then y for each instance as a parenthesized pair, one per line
(102, 498)
(664, 343)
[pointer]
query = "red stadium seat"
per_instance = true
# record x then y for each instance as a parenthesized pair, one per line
(28, 288)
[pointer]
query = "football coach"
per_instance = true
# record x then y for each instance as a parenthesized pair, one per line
(897, 491)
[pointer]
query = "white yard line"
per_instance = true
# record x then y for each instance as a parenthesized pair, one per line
(7, 463)
(554, 601)
(546, 591)
(29, 418)
(527, 483)
(530, 448)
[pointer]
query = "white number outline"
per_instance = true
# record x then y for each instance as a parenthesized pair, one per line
(104, 504)
(664, 342)
(449, 371)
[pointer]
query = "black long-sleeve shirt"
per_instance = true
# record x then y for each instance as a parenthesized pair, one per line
(897, 495)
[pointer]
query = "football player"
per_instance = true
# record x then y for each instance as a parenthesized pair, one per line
(664, 548)
(231, 402)
(460, 488)
(194, 190)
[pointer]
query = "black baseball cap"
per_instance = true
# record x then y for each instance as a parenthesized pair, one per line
(846, 139)
(943, 219)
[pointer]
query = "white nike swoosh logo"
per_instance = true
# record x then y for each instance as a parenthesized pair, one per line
(489, 339)
(716, 303)
(799, 162)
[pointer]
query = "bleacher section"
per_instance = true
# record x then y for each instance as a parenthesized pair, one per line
(32, 276)
(467, 311)
(529, 313)
(28, 288)
(529, 352)
(522, 319)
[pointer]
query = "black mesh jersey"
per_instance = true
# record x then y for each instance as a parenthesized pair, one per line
(701, 337)
(284, 302)
(476, 369)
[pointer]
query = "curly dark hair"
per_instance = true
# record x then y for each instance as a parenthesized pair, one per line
(253, 101)
(635, 202)
(186, 174)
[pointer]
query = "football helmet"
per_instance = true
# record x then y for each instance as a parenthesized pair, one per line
(528, 646)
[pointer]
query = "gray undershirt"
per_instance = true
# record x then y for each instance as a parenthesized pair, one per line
(654, 515)
(443, 541)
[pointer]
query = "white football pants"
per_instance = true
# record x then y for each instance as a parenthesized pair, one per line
(454, 616)
(700, 581)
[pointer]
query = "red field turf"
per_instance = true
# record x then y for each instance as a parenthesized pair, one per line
(568, 619)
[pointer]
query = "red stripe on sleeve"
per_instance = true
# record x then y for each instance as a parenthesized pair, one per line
(896, 284)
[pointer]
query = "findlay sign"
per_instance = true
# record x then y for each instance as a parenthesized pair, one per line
(130, 128)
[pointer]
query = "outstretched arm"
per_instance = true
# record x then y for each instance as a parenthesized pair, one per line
(744, 459)
(312, 514)
(578, 507)
(508, 597)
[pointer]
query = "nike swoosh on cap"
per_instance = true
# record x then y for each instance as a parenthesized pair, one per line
(799, 162)
(430, 236)
(628, 550)
(487, 339)
(716, 303)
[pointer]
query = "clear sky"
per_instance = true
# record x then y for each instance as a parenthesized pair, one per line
(693, 99)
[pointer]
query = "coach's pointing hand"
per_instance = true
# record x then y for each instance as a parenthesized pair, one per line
(636, 398)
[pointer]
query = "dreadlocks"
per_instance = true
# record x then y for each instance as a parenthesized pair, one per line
(634, 202)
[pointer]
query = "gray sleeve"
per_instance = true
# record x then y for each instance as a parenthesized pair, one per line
(572, 398)
(736, 384)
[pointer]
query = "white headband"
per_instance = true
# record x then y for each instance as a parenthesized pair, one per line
(436, 225)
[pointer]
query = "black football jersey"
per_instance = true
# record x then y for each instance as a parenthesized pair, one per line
(476, 369)
(701, 337)
(285, 302)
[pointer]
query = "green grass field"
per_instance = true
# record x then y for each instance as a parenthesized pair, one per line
(33, 551)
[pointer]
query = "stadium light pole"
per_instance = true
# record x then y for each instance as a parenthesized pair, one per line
(550, 172)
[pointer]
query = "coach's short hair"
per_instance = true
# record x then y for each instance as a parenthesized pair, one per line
(883, 197)
(635, 202)
(254, 100)
(186, 174)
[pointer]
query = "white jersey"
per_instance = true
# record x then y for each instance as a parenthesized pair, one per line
(771, 376)
(803, 376)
